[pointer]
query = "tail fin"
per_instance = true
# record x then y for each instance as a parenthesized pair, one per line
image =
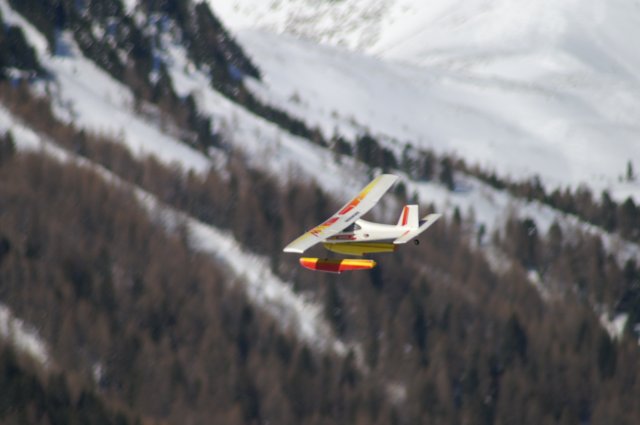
(409, 217)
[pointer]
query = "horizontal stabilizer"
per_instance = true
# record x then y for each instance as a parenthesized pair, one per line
(413, 233)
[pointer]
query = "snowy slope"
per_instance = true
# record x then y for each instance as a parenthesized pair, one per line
(536, 87)
(23, 336)
(351, 23)
(88, 96)
(418, 31)
(567, 135)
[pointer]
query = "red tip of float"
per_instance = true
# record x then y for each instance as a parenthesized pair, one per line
(336, 265)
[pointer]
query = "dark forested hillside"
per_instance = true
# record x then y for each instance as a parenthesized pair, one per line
(110, 289)
(143, 327)
(28, 398)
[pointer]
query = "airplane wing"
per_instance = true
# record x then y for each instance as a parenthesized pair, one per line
(349, 213)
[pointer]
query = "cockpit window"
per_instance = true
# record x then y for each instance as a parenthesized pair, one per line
(352, 228)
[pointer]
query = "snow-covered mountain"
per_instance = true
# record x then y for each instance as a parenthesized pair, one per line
(518, 129)
(547, 88)
(245, 157)
(350, 93)
(443, 30)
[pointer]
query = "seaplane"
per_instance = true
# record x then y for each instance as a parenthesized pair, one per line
(346, 233)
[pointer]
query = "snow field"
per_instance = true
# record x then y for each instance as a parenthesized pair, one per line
(523, 87)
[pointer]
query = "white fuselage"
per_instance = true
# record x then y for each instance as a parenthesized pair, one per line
(369, 231)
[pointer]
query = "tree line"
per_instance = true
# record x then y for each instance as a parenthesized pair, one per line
(622, 218)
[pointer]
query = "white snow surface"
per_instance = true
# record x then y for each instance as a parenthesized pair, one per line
(88, 96)
(523, 87)
(614, 325)
(421, 32)
(351, 23)
(129, 5)
(22, 336)
(581, 129)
